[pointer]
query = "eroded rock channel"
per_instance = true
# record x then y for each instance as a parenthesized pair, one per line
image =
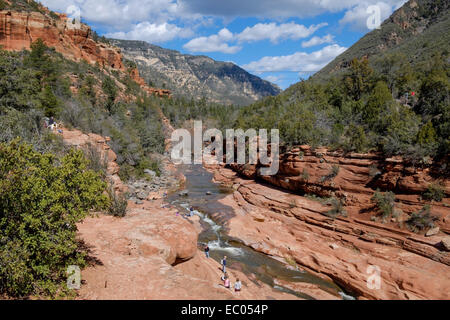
(206, 197)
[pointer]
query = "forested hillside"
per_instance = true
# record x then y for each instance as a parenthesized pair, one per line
(395, 100)
(46, 187)
(414, 33)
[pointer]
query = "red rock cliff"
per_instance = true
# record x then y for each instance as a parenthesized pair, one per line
(18, 30)
(356, 178)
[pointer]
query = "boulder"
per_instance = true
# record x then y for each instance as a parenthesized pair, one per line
(432, 232)
(184, 193)
(150, 172)
(446, 243)
(334, 246)
(142, 195)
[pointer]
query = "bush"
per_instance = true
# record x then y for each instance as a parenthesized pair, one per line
(338, 208)
(332, 174)
(385, 203)
(305, 175)
(110, 89)
(96, 161)
(374, 171)
(118, 205)
(422, 220)
(434, 192)
(42, 198)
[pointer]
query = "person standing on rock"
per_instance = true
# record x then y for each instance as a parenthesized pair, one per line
(224, 264)
(226, 282)
(207, 251)
(224, 276)
(52, 124)
(237, 286)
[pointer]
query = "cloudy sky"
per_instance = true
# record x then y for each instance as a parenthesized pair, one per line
(279, 40)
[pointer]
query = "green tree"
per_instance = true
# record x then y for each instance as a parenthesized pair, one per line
(378, 100)
(40, 60)
(427, 138)
(42, 198)
(357, 81)
(405, 78)
(356, 139)
(399, 127)
(110, 89)
(49, 102)
(434, 91)
(19, 87)
(88, 89)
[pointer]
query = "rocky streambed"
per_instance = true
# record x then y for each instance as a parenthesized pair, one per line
(277, 272)
(282, 245)
(345, 250)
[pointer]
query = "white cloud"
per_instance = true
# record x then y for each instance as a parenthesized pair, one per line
(154, 33)
(358, 16)
(315, 41)
(261, 31)
(271, 8)
(213, 43)
(120, 14)
(152, 18)
(297, 62)
(276, 32)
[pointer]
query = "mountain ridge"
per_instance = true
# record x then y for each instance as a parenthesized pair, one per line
(195, 76)
(408, 28)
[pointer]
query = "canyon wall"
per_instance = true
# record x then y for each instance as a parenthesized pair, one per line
(100, 145)
(354, 178)
(297, 230)
(18, 30)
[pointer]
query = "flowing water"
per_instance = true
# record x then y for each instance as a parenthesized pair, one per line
(214, 215)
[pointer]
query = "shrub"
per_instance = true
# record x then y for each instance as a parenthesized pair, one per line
(337, 208)
(374, 171)
(118, 204)
(110, 89)
(332, 174)
(385, 203)
(49, 102)
(434, 192)
(42, 198)
(292, 204)
(305, 175)
(97, 162)
(422, 220)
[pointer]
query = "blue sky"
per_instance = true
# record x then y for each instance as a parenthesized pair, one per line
(281, 41)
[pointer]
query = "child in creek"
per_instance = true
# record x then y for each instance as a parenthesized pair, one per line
(207, 251)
